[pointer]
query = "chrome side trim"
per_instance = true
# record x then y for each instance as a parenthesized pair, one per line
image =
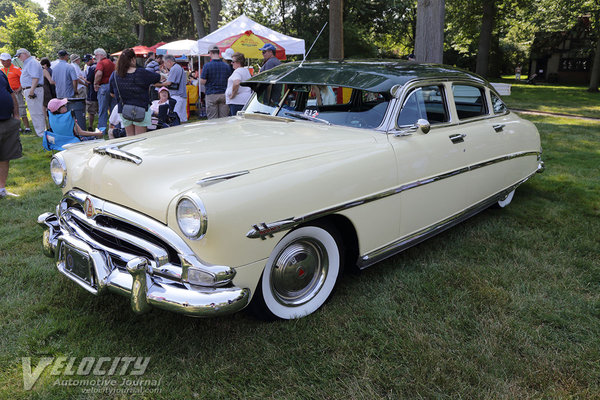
(263, 229)
(417, 237)
(113, 150)
(219, 178)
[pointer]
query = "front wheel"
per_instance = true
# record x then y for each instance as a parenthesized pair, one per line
(300, 274)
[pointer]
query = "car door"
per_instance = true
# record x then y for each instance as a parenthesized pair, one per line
(430, 162)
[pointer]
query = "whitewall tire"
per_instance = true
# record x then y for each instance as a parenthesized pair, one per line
(300, 274)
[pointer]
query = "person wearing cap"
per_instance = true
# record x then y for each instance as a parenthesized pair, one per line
(104, 69)
(214, 76)
(13, 73)
(65, 77)
(62, 122)
(164, 100)
(271, 61)
(32, 82)
(10, 142)
(227, 58)
(75, 61)
(176, 83)
(91, 99)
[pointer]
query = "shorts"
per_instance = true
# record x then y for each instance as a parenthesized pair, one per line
(146, 122)
(22, 104)
(10, 140)
(91, 107)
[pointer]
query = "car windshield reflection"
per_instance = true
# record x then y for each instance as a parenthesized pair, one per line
(335, 105)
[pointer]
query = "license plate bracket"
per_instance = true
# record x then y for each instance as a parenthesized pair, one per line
(78, 264)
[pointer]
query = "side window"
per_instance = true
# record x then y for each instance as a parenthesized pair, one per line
(426, 102)
(497, 104)
(469, 100)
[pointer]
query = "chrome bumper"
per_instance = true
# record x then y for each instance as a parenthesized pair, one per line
(145, 288)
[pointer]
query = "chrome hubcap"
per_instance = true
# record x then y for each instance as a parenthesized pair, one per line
(299, 272)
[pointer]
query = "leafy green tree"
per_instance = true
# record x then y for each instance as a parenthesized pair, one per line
(22, 29)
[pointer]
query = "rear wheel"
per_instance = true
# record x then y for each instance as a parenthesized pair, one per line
(300, 274)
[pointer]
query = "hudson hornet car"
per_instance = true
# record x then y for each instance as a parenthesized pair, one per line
(330, 165)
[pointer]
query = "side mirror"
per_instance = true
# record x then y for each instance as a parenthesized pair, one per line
(424, 125)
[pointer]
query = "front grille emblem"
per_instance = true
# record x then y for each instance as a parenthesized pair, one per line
(88, 207)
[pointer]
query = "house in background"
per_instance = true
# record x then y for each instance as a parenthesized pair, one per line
(564, 57)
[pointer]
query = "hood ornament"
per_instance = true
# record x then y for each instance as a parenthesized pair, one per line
(114, 151)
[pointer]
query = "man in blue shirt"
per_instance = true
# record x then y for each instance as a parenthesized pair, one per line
(64, 76)
(10, 142)
(32, 82)
(214, 76)
(176, 83)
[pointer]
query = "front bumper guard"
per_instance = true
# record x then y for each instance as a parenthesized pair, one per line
(143, 288)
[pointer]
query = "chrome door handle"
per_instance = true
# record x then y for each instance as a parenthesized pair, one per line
(457, 138)
(498, 127)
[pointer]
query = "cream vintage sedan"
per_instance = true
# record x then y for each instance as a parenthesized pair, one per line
(330, 165)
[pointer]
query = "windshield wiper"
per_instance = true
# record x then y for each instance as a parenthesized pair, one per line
(307, 118)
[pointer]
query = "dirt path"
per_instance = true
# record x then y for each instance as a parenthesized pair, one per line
(534, 112)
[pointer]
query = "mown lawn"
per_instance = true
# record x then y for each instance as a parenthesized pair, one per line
(575, 100)
(505, 305)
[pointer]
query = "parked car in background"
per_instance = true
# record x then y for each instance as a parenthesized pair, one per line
(331, 165)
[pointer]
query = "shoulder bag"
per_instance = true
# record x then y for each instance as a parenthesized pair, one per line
(129, 111)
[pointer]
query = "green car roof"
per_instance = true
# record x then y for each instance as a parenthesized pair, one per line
(372, 75)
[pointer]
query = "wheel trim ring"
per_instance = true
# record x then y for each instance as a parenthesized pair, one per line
(313, 270)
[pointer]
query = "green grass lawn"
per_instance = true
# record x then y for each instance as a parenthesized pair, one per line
(505, 305)
(575, 100)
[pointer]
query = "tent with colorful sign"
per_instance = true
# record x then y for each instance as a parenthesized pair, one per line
(249, 44)
(244, 30)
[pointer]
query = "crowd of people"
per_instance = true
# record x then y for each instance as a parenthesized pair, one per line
(127, 98)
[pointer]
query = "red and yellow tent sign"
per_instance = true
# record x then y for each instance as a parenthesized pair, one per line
(248, 43)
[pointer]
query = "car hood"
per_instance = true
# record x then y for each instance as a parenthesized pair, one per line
(174, 160)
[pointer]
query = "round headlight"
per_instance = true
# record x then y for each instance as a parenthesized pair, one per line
(191, 217)
(58, 170)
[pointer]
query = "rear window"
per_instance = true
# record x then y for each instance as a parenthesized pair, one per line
(469, 101)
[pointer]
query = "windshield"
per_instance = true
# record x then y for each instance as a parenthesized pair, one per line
(335, 105)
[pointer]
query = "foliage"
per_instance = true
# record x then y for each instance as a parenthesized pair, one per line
(22, 29)
(93, 24)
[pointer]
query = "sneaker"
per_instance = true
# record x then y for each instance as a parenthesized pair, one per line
(27, 130)
(2, 193)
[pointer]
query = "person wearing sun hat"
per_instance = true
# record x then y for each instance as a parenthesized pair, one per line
(62, 121)
(271, 61)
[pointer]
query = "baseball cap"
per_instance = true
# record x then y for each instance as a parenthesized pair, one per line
(87, 57)
(228, 54)
(5, 56)
(268, 46)
(163, 89)
(214, 49)
(62, 53)
(55, 104)
(74, 57)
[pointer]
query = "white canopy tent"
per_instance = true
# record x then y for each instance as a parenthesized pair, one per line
(242, 24)
(184, 47)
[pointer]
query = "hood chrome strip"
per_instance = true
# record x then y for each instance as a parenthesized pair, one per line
(211, 180)
(114, 151)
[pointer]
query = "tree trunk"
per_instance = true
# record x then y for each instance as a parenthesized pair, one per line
(595, 78)
(485, 37)
(142, 25)
(215, 10)
(282, 4)
(198, 18)
(429, 41)
(336, 29)
(130, 11)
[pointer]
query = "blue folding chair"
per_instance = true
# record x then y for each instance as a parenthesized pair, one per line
(60, 133)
